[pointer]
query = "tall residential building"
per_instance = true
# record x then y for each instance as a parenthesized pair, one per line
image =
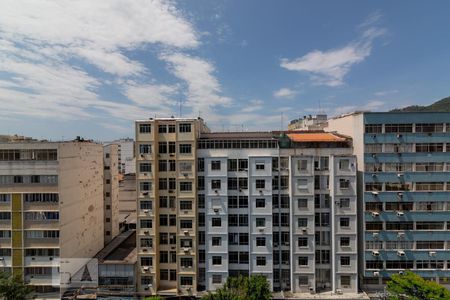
(51, 207)
(111, 191)
(279, 205)
(404, 188)
(127, 160)
(167, 206)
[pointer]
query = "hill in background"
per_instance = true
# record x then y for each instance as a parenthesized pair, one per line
(441, 105)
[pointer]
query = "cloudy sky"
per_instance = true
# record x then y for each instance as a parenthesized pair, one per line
(90, 68)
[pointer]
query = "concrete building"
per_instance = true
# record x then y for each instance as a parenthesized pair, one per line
(404, 192)
(166, 196)
(51, 207)
(127, 202)
(111, 191)
(316, 122)
(282, 205)
(127, 160)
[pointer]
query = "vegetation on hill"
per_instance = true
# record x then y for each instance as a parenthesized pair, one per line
(442, 105)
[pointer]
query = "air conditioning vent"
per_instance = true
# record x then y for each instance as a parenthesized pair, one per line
(375, 253)
(401, 253)
(375, 214)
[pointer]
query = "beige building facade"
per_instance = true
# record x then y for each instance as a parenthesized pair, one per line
(111, 191)
(51, 207)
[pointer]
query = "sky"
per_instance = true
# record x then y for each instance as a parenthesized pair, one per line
(90, 68)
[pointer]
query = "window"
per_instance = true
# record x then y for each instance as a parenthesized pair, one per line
(260, 222)
(187, 243)
(162, 147)
(243, 183)
(162, 129)
(171, 128)
(185, 148)
(232, 183)
(345, 281)
(215, 184)
(260, 260)
(146, 261)
(303, 260)
(216, 241)
(431, 127)
(186, 280)
(344, 183)
(243, 238)
(145, 149)
(185, 186)
(216, 222)
(243, 201)
(184, 127)
(185, 205)
(260, 241)
(344, 164)
(429, 147)
(302, 184)
(217, 260)
(344, 203)
(186, 262)
(145, 186)
(145, 128)
(395, 128)
(216, 279)
(146, 243)
(260, 183)
(243, 164)
(260, 203)
(302, 204)
(185, 224)
(302, 242)
(373, 128)
(302, 165)
(345, 260)
(172, 148)
(215, 165)
(232, 165)
(303, 280)
(201, 164)
(302, 222)
(345, 241)
(259, 166)
(344, 222)
(145, 167)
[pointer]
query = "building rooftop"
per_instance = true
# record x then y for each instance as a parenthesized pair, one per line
(305, 136)
(238, 135)
(122, 249)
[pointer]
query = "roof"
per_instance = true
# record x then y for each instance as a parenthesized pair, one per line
(302, 137)
(122, 249)
(241, 135)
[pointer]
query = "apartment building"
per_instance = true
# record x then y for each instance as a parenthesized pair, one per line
(51, 207)
(166, 190)
(278, 204)
(111, 191)
(309, 122)
(404, 188)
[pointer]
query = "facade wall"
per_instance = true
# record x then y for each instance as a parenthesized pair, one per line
(404, 166)
(111, 191)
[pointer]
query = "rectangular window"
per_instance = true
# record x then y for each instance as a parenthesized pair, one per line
(260, 203)
(302, 222)
(260, 183)
(145, 167)
(345, 260)
(260, 222)
(185, 224)
(232, 165)
(145, 128)
(344, 222)
(186, 281)
(303, 260)
(184, 127)
(302, 242)
(216, 222)
(145, 149)
(344, 183)
(345, 241)
(185, 205)
(185, 148)
(201, 164)
(243, 164)
(344, 164)
(215, 184)
(215, 165)
(260, 260)
(216, 241)
(185, 186)
(171, 128)
(162, 128)
(260, 241)
(345, 281)
(216, 279)
(302, 165)
(373, 128)
(217, 260)
(259, 166)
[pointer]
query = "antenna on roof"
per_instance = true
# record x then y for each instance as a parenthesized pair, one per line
(181, 102)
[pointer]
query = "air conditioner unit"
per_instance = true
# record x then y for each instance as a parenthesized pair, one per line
(144, 250)
(375, 234)
(216, 210)
(50, 258)
(216, 191)
(186, 249)
(304, 229)
(145, 193)
(376, 274)
(401, 272)
(375, 214)
(185, 174)
(186, 232)
(400, 194)
(375, 193)
(339, 292)
(146, 232)
(400, 214)
(170, 191)
(145, 174)
(145, 269)
(146, 211)
(432, 253)
(374, 155)
(401, 253)
(399, 174)
(399, 136)
(33, 258)
(260, 191)
(400, 234)
(261, 229)
(375, 253)
(311, 290)
(374, 175)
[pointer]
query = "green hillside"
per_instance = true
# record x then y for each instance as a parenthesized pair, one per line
(441, 105)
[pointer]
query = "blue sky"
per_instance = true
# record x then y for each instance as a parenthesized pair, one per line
(90, 68)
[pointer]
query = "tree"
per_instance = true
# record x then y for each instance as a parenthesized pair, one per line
(255, 287)
(13, 288)
(411, 286)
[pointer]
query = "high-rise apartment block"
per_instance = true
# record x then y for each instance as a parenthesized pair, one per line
(214, 205)
(167, 207)
(404, 192)
(51, 207)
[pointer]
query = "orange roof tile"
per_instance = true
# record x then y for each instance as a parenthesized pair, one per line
(315, 137)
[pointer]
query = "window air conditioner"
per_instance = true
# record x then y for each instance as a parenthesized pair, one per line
(376, 274)
(401, 253)
(375, 253)
(400, 214)
(375, 214)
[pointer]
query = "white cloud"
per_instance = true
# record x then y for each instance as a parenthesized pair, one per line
(385, 93)
(203, 89)
(253, 105)
(331, 66)
(285, 93)
(42, 43)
